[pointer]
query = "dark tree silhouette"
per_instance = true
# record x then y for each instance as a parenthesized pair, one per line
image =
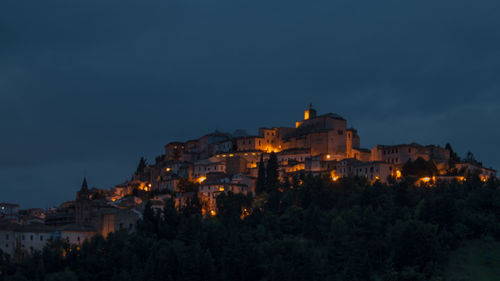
(261, 178)
(272, 173)
(141, 166)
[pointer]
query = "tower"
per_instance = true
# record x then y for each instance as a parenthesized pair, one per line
(309, 113)
(83, 205)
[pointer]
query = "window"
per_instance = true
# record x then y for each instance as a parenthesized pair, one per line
(31, 237)
(41, 237)
(340, 132)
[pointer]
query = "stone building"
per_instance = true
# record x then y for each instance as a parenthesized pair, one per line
(22, 240)
(400, 154)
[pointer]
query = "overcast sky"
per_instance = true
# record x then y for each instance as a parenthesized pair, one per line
(88, 87)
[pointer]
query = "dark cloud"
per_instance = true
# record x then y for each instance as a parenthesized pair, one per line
(87, 87)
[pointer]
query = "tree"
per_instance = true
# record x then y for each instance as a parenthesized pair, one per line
(66, 275)
(149, 222)
(193, 205)
(272, 173)
(261, 179)
(231, 205)
(419, 168)
(454, 158)
(185, 185)
(472, 160)
(142, 165)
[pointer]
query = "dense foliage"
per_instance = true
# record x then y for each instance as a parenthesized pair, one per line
(308, 229)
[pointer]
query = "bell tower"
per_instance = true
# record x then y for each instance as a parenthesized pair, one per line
(83, 205)
(309, 113)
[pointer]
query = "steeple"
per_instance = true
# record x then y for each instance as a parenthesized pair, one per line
(85, 187)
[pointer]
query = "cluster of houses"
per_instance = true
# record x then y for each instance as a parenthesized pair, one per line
(219, 163)
(22, 232)
(318, 144)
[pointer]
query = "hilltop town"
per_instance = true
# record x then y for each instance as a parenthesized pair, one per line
(221, 163)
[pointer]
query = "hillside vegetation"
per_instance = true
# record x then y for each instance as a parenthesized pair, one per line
(311, 228)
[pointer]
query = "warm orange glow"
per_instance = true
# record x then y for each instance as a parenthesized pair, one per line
(168, 169)
(221, 188)
(377, 178)
(245, 213)
(334, 176)
(426, 179)
(306, 115)
(231, 155)
(398, 174)
(461, 179)
(328, 156)
(213, 213)
(201, 179)
(223, 155)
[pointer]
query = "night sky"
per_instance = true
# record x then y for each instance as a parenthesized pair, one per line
(88, 87)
